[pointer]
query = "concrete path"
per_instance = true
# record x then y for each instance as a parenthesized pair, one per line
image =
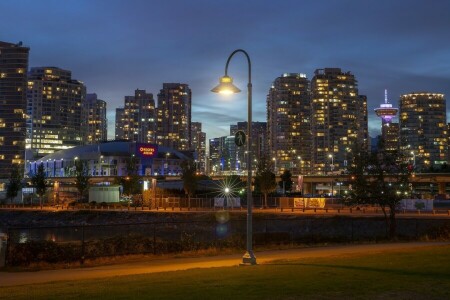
(177, 264)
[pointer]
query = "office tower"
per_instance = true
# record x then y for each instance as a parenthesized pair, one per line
(120, 123)
(230, 161)
(96, 122)
(137, 121)
(336, 119)
(259, 143)
(13, 104)
(174, 116)
(55, 107)
(223, 156)
(198, 144)
(389, 130)
(423, 129)
(215, 155)
(289, 123)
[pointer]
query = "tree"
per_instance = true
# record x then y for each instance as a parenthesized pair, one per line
(81, 177)
(189, 177)
(131, 182)
(286, 181)
(382, 179)
(39, 182)
(15, 182)
(265, 180)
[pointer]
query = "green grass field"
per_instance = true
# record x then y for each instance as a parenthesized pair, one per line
(409, 274)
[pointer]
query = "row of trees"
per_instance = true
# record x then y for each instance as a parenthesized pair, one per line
(40, 183)
(264, 181)
(387, 184)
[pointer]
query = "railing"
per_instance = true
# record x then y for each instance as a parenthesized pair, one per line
(278, 204)
(76, 244)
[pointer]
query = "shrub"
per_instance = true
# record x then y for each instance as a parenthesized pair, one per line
(439, 232)
(43, 251)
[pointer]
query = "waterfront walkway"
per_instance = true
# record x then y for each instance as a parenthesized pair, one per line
(442, 212)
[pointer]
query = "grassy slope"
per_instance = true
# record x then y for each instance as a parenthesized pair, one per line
(412, 274)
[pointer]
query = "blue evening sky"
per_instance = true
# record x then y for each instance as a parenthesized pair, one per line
(115, 47)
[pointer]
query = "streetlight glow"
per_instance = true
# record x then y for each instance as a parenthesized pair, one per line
(226, 86)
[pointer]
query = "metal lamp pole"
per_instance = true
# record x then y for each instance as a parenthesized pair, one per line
(226, 86)
(332, 162)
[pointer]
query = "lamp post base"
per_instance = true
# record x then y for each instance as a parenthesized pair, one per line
(249, 258)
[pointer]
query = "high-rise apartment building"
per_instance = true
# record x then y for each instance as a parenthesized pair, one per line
(289, 123)
(13, 104)
(55, 108)
(389, 129)
(96, 122)
(337, 115)
(423, 129)
(137, 120)
(362, 119)
(174, 116)
(259, 143)
(198, 144)
(120, 123)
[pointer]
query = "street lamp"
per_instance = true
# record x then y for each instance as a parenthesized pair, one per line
(226, 86)
(166, 165)
(332, 162)
(414, 159)
(275, 167)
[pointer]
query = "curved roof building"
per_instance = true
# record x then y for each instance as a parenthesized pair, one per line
(110, 159)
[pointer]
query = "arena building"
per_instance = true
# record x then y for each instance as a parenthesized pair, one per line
(111, 158)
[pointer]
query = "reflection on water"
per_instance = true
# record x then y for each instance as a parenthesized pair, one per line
(23, 237)
(39, 234)
(167, 231)
(45, 234)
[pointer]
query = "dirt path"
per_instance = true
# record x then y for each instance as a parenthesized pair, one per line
(177, 264)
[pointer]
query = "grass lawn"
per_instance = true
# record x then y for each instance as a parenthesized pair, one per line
(409, 274)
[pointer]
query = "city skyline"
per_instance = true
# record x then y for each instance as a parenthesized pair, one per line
(115, 47)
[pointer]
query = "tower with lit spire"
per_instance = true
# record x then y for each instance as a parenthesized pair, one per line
(389, 129)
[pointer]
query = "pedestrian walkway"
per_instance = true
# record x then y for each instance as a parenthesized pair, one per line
(178, 264)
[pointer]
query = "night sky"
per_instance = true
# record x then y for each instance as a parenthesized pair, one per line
(115, 47)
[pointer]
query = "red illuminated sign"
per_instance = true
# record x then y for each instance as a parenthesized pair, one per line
(146, 150)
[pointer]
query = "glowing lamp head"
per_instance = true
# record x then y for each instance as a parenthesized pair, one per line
(226, 86)
(227, 190)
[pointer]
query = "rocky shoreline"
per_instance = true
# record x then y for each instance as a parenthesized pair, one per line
(17, 218)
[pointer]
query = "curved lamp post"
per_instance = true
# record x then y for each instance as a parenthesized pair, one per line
(226, 86)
